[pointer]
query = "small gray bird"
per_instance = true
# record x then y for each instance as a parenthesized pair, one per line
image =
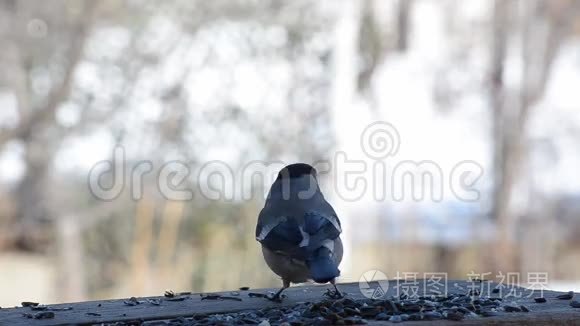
(299, 230)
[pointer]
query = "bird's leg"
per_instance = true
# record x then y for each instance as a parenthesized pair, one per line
(278, 296)
(336, 294)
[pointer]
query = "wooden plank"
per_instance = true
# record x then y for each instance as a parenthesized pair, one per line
(553, 312)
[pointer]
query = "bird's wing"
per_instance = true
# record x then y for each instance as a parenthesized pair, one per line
(321, 229)
(279, 233)
(315, 221)
(294, 230)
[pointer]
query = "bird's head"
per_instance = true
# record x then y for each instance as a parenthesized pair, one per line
(296, 170)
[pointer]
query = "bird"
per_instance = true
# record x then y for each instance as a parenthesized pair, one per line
(299, 231)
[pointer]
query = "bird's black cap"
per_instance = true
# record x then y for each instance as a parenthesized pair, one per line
(296, 170)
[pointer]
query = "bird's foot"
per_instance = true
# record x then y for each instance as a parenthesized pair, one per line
(275, 297)
(334, 294)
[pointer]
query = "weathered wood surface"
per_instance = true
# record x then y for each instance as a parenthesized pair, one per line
(554, 312)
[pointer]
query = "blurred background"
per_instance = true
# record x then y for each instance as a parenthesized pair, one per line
(494, 82)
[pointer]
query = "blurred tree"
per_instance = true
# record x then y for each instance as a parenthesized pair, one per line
(403, 24)
(544, 26)
(44, 43)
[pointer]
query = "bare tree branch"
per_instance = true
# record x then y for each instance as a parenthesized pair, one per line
(34, 118)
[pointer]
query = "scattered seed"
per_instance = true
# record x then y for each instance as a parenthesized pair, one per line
(348, 311)
(93, 314)
(333, 294)
(540, 300)
(411, 307)
(566, 296)
(155, 302)
(382, 316)
(60, 308)
(524, 308)
(29, 304)
(218, 297)
(44, 315)
(489, 313)
(369, 311)
(169, 294)
(432, 315)
(256, 295)
(512, 308)
(353, 321)
(351, 311)
(250, 321)
(210, 296)
(41, 315)
(131, 302)
(47, 308)
(395, 319)
(179, 320)
(175, 299)
(455, 316)
(390, 305)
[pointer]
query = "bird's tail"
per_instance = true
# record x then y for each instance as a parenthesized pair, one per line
(323, 268)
